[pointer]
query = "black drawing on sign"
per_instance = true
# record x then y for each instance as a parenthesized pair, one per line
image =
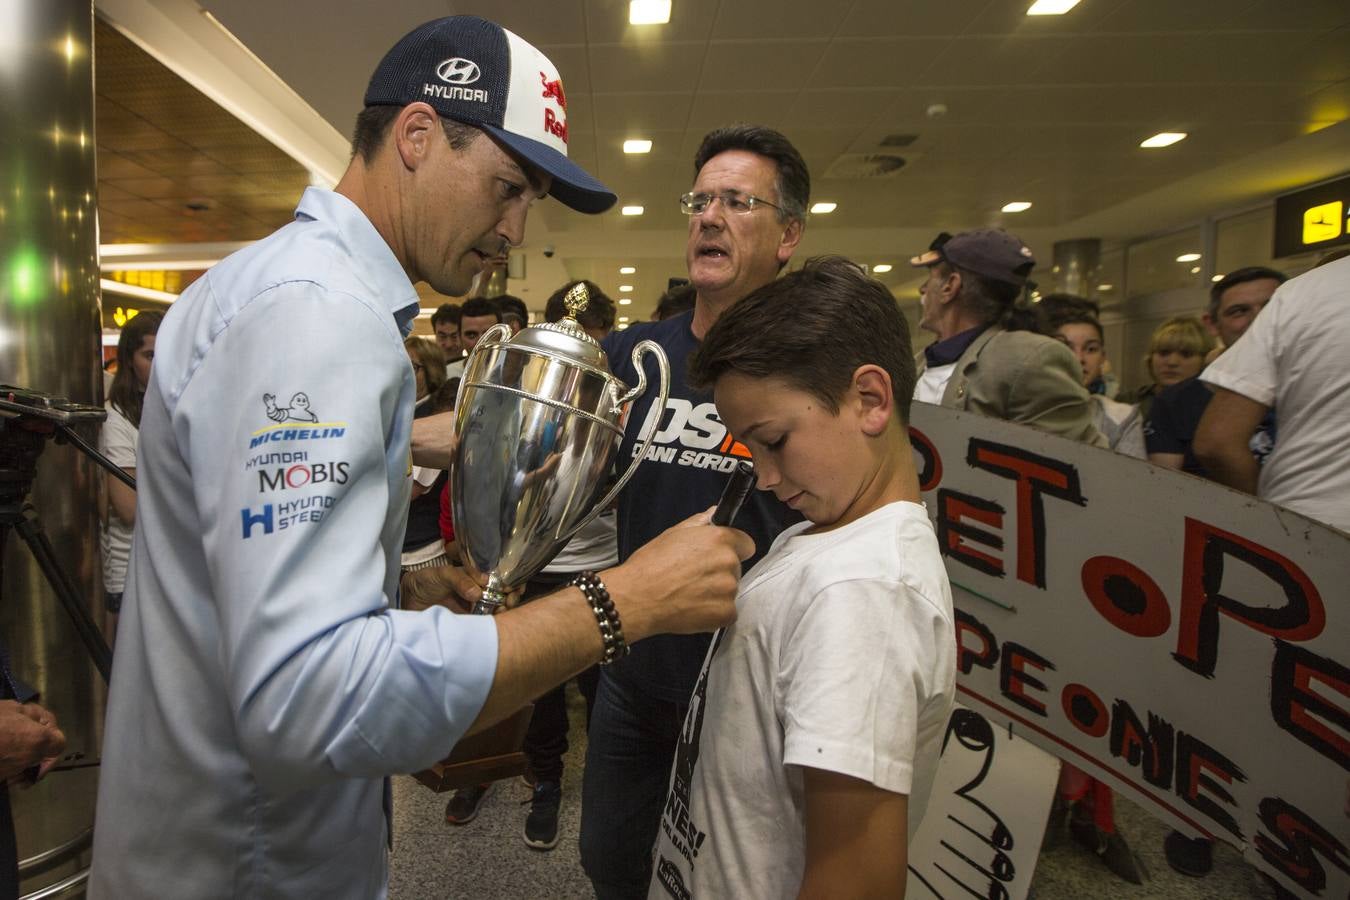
(985, 830)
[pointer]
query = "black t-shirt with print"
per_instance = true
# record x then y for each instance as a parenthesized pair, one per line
(686, 468)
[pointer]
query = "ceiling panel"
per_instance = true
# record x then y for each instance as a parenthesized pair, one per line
(910, 18)
(876, 62)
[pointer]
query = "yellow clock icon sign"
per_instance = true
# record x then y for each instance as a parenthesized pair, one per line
(1322, 223)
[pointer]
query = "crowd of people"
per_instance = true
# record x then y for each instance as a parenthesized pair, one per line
(765, 704)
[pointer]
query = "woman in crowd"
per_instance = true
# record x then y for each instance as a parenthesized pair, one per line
(117, 441)
(1176, 351)
(422, 547)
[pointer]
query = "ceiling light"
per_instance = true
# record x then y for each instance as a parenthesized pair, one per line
(648, 12)
(1217, 278)
(882, 268)
(1163, 139)
(627, 270)
(623, 318)
(1106, 287)
(1188, 257)
(624, 301)
(632, 210)
(822, 208)
(1016, 206)
(625, 288)
(1195, 270)
(1051, 7)
(623, 325)
(637, 146)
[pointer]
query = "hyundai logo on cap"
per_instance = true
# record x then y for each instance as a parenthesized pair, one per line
(517, 96)
(458, 71)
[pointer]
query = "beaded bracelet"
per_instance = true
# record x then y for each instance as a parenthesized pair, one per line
(606, 616)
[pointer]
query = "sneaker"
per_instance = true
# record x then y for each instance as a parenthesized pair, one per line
(541, 825)
(1189, 856)
(465, 803)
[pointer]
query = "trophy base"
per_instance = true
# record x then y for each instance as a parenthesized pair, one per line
(490, 755)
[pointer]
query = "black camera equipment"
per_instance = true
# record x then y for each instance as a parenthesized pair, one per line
(28, 419)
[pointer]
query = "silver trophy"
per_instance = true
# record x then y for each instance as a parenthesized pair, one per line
(538, 421)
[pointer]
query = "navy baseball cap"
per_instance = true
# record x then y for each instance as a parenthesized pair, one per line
(990, 252)
(476, 72)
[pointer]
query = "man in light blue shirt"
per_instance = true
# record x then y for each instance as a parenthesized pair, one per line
(264, 686)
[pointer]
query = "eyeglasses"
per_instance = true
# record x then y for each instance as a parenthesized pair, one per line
(732, 201)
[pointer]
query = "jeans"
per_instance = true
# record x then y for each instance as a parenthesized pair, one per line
(631, 747)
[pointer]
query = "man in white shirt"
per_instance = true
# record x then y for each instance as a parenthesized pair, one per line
(264, 685)
(1293, 359)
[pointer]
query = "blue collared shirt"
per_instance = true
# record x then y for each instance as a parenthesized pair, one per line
(262, 684)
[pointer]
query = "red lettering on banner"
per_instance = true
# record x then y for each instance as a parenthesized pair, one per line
(555, 126)
(1148, 748)
(1195, 759)
(1035, 475)
(930, 474)
(953, 533)
(1126, 597)
(1296, 706)
(966, 657)
(1013, 679)
(1085, 710)
(1206, 549)
(1298, 837)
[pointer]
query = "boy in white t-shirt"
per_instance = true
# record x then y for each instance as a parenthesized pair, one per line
(813, 734)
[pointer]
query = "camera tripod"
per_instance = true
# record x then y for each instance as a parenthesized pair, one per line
(22, 440)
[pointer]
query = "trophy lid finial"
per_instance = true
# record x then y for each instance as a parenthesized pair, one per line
(577, 299)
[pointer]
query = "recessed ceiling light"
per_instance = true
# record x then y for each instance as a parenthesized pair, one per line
(881, 268)
(1106, 287)
(637, 146)
(1051, 7)
(631, 210)
(624, 301)
(822, 208)
(648, 12)
(625, 288)
(1017, 206)
(627, 270)
(623, 318)
(1217, 278)
(1188, 257)
(1163, 139)
(1195, 270)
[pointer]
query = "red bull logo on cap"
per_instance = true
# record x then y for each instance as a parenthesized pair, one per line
(553, 89)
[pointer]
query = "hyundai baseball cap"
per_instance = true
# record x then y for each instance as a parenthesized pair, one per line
(990, 252)
(476, 72)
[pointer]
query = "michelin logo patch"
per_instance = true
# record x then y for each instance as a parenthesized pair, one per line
(298, 411)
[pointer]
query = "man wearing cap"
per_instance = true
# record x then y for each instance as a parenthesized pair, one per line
(978, 363)
(264, 685)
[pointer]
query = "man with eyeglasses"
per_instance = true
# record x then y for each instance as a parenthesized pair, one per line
(1234, 302)
(746, 209)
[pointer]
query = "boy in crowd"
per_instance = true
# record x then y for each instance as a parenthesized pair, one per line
(814, 730)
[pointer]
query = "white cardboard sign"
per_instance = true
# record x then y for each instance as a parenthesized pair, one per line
(981, 834)
(1185, 643)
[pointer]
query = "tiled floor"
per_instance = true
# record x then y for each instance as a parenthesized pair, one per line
(488, 859)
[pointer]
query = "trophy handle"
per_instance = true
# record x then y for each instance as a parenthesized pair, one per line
(663, 366)
(497, 333)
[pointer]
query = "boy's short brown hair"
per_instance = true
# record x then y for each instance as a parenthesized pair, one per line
(812, 328)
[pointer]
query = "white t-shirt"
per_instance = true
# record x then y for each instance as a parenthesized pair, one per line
(117, 441)
(1294, 359)
(842, 658)
(932, 383)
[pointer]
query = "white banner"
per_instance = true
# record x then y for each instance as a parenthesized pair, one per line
(981, 834)
(1185, 643)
